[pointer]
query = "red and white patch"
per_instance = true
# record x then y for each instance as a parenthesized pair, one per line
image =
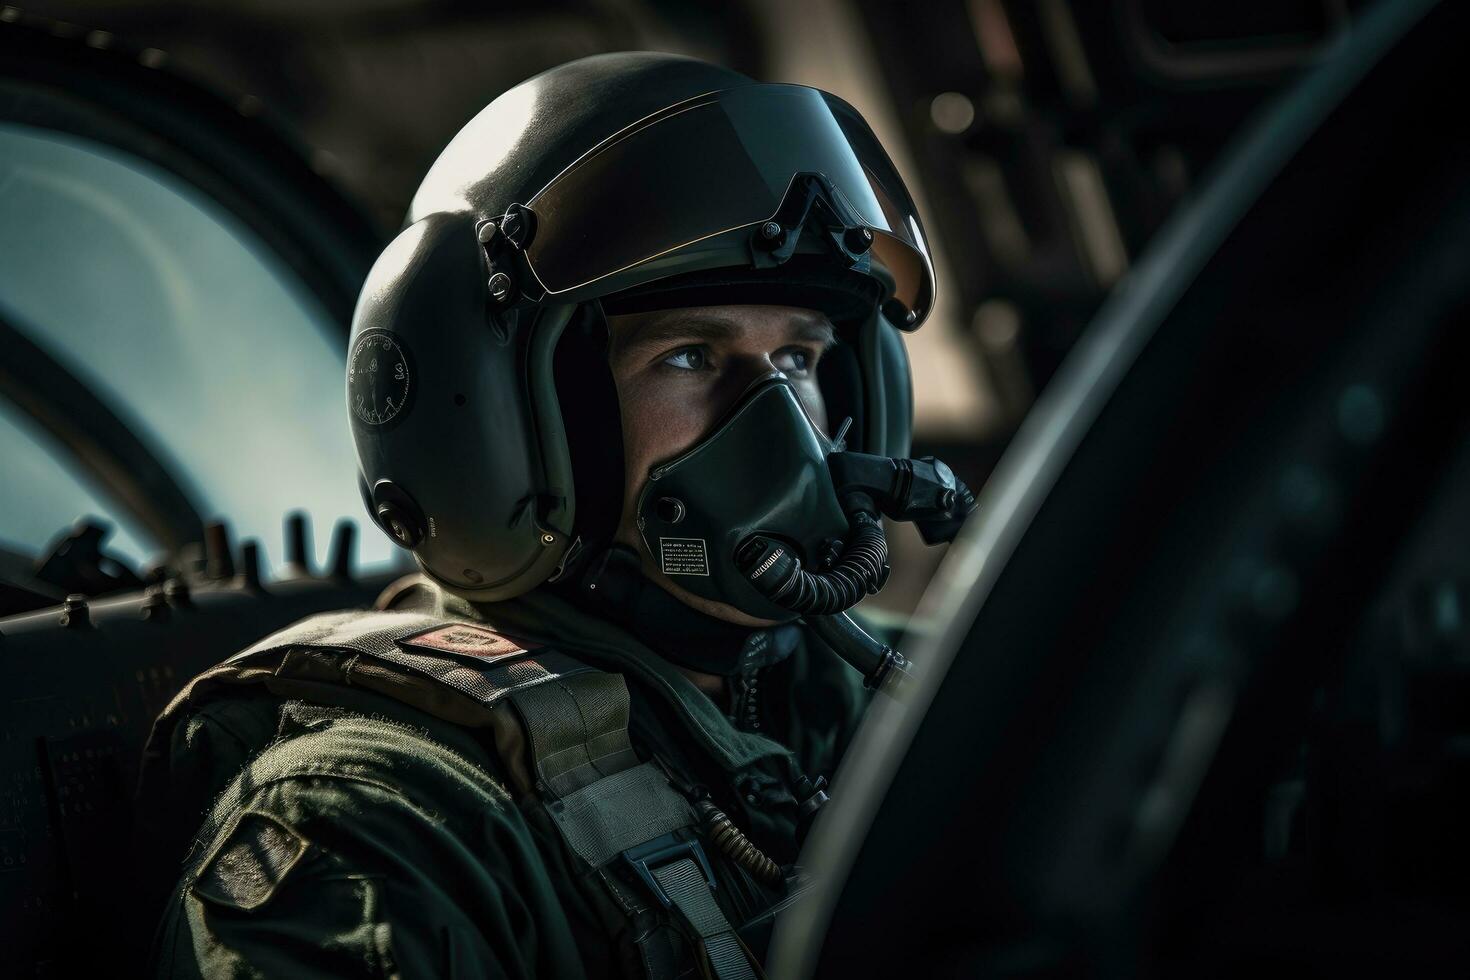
(467, 640)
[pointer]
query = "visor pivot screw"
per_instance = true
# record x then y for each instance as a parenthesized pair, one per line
(500, 286)
(400, 527)
(548, 538)
(517, 226)
(486, 232)
(771, 235)
(857, 240)
(670, 510)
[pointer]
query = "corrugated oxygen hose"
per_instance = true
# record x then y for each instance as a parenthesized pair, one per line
(776, 571)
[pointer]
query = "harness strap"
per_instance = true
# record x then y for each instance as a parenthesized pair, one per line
(608, 805)
(578, 729)
(606, 818)
(686, 887)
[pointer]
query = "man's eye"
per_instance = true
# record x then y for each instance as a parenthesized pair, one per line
(795, 362)
(688, 359)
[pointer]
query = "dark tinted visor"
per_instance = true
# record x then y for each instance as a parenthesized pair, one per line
(717, 164)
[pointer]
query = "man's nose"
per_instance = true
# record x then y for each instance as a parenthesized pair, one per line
(742, 371)
(752, 365)
(748, 368)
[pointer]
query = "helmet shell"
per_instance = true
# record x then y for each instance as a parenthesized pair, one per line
(518, 143)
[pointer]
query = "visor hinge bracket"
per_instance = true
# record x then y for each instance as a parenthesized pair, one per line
(518, 225)
(499, 283)
(811, 206)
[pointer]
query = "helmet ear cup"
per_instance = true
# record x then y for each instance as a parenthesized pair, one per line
(454, 473)
(593, 422)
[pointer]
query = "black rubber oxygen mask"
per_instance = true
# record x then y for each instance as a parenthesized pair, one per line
(761, 473)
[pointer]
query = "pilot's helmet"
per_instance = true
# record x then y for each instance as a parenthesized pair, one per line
(481, 406)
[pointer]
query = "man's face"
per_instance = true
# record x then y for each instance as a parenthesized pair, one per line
(679, 371)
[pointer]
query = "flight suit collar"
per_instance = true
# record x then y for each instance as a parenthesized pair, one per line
(548, 618)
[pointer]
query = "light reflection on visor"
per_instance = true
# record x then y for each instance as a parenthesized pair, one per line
(714, 164)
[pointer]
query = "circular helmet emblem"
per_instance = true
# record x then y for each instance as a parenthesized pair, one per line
(379, 379)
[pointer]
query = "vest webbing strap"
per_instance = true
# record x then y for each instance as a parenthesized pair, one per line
(603, 819)
(606, 803)
(683, 882)
(578, 728)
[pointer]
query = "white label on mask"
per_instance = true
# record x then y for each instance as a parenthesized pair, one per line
(683, 556)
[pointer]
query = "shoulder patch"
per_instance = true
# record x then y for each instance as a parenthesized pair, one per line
(254, 859)
(467, 640)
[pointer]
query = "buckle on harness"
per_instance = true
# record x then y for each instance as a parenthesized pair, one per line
(665, 850)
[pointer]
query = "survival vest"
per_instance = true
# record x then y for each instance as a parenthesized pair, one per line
(560, 729)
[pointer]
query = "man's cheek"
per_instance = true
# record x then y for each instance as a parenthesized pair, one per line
(674, 425)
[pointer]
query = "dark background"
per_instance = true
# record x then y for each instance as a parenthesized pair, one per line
(1046, 140)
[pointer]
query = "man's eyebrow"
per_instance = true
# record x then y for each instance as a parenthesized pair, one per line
(816, 331)
(667, 329)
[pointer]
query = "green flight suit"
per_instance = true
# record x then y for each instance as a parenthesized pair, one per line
(352, 834)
